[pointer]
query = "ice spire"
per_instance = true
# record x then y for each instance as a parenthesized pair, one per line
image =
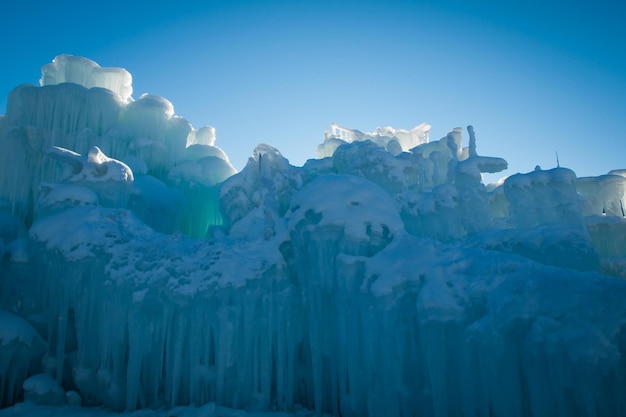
(472, 141)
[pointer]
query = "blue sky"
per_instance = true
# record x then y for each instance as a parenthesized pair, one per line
(534, 78)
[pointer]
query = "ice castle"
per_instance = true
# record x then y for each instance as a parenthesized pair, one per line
(140, 271)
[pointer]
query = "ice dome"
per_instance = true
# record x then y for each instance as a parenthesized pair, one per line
(140, 273)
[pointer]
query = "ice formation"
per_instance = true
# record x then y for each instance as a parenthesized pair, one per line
(394, 140)
(75, 69)
(140, 271)
(78, 108)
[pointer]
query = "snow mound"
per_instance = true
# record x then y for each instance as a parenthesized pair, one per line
(362, 210)
(110, 179)
(95, 167)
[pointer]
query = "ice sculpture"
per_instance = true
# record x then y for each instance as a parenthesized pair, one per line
(396, 140)
(382, 279)
(111, 180)
(75, 69)
(252, 204)
(77, 108)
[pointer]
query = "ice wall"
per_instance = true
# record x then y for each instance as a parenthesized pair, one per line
(336, 308)
(154, 133)
(384, 279)
(543, 196)
(602, 195)
(346, 314)
(198, 181)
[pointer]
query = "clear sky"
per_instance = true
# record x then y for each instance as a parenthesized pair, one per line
(533, 77)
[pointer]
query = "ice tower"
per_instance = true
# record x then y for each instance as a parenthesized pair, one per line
(80, 105)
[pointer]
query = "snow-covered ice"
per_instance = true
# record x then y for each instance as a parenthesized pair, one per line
(141, 275)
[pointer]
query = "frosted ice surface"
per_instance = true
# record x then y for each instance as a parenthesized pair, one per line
(110, 179)
(603, 195)
(551, 244)
(83, 71)
(207, 171)
(329, 146)
(483, 164)
(608, 234)
(352, 204)
(197, 151)
(59, 197)
(406, 139)
(543, 196)
(268, 181)
(203, 136)
(375, 163)
(95, 167)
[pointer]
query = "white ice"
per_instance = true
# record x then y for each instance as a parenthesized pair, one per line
(75, 69)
